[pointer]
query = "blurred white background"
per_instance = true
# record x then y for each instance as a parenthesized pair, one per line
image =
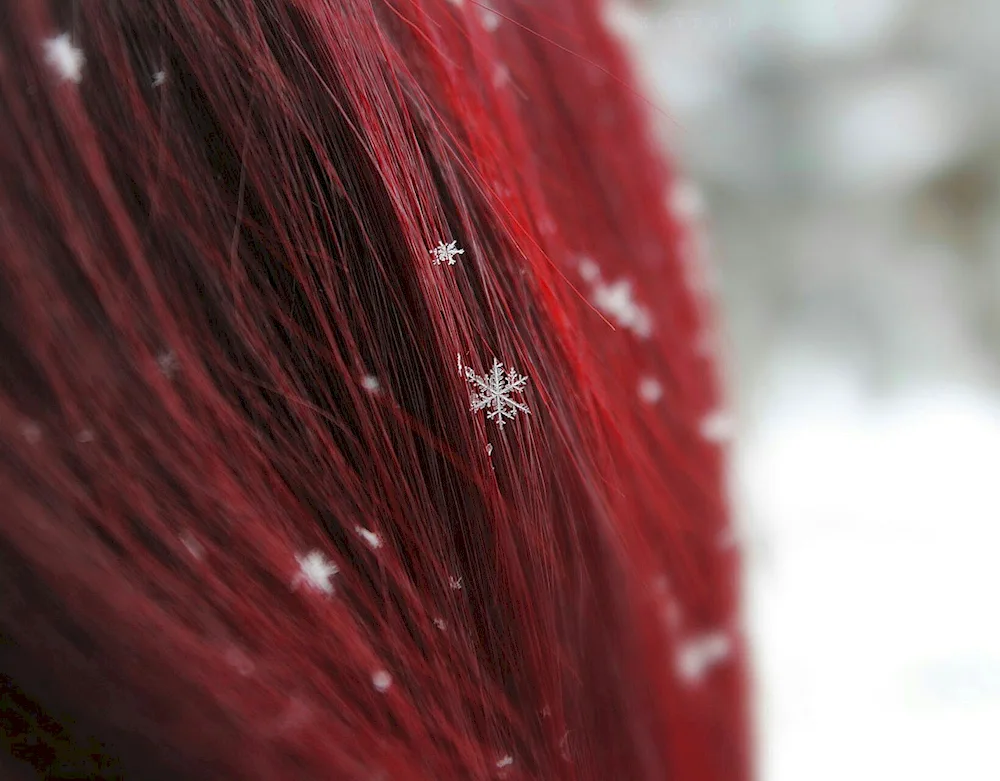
(845, 165)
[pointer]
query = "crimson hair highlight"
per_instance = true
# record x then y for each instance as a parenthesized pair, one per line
(251, 527)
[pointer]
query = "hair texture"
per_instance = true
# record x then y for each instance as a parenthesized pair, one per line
(252, 527)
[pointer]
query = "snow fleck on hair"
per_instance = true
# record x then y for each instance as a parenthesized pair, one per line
(446, 253)
(251, 529)
(66, 60)
(315, 572)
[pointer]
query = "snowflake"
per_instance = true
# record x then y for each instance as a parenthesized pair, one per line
(64, 58)
(315, 571)
(488, 16)
(650, 390)
(32, 432)
(159, 78)
(373, 540)
(168, 363)
(194, 547)
(698, 655)
(716, 427)
(494, 393)
(617, 301)
(446, 253)
(381, 680)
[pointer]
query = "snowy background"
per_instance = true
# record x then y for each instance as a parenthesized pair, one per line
(844, 157)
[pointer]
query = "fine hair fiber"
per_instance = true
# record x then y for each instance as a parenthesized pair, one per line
(252, 526)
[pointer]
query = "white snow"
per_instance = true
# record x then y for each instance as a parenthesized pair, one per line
(168, 363)
(31, 432)
(617, 301)
(589, 270)
(489, 18)
(373, 540)
(64, 58)
(716, 427)
(381, 680)
(315, 570)
(494, 393)
(686, 200)
(446, 253)
(195, 548)
(650, 390)
(873, 537)
(698, 655)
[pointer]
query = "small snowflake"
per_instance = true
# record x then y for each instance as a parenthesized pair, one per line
(239, 661)
(371, 384)
(64, 58)
(494, 393)
(589, 270)
(168, 363)
(381, 680)
(315, 570)
(698, 655)
(455, 583)
(440, 624)
(159, 78)
(716, 427)
(616, 300)
(373, 540)
(31, 432)
(686, 200)
(195, 548)
(488, 16)
(505, 761)
(446, 253)
(650, 390)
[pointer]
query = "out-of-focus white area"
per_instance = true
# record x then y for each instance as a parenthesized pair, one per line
(871, 527)
(843, 157)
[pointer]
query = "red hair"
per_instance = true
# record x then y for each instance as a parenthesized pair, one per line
(252, 528)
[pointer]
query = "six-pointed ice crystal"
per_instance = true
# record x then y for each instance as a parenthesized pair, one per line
(446, 253)
(494, 392)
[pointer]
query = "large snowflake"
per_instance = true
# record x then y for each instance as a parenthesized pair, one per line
(493, 392)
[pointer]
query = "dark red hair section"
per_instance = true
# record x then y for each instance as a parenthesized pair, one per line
(253, 526)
